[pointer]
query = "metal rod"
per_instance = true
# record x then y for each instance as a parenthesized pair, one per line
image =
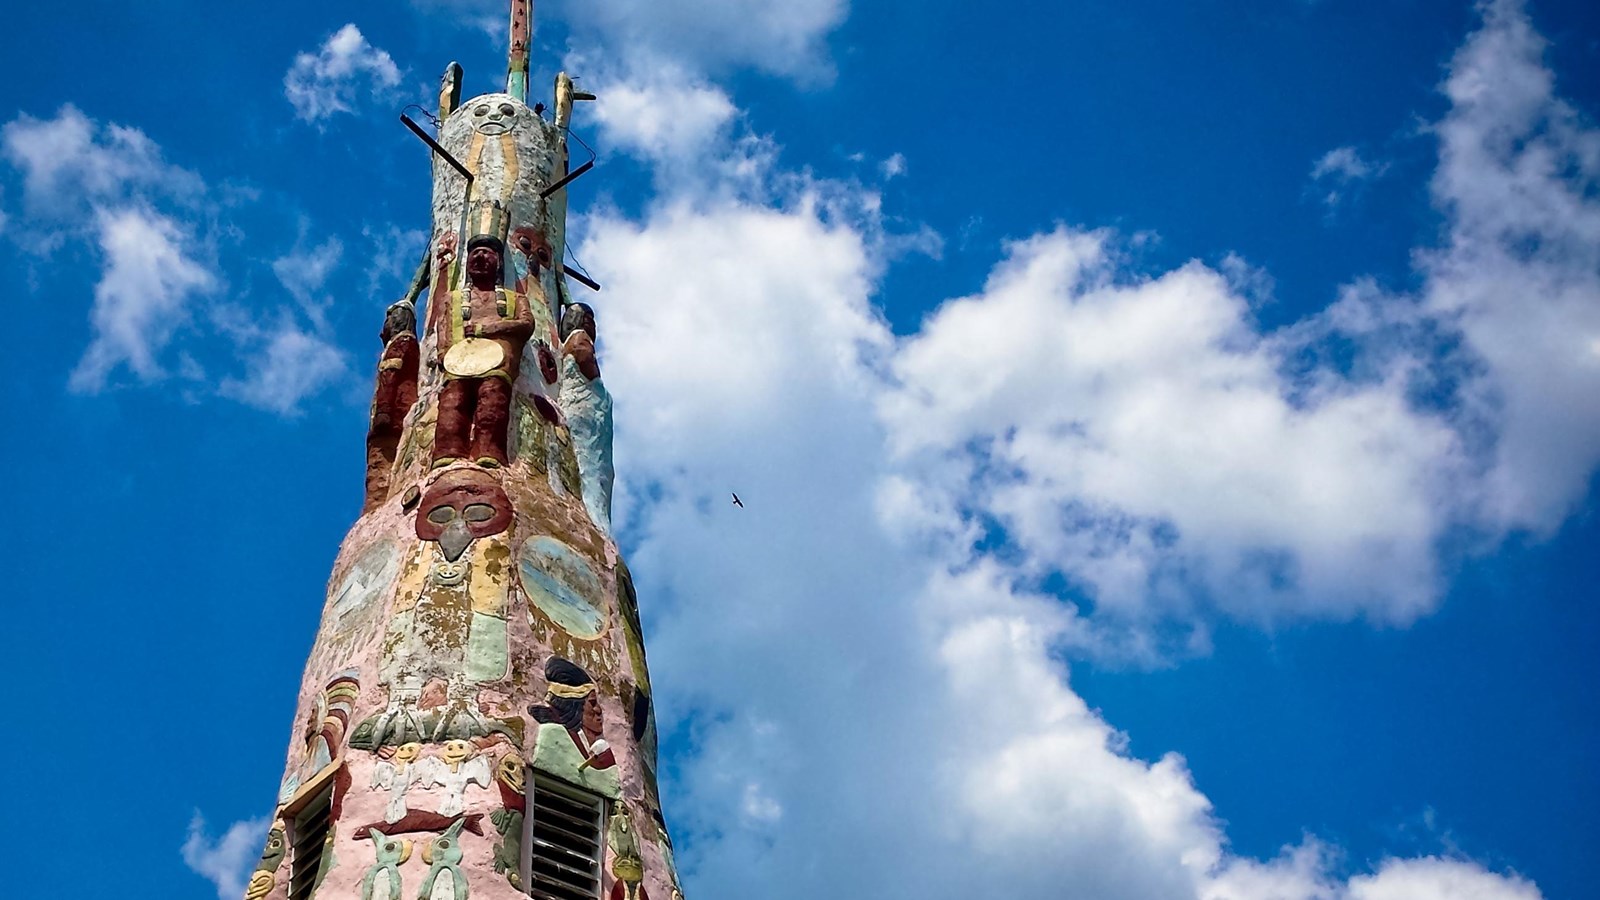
(571, 177)
(584, 280)
(417, 130)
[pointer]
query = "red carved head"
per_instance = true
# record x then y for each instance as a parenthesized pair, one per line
(463, 505)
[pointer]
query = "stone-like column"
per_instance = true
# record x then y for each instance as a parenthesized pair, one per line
(478, 680)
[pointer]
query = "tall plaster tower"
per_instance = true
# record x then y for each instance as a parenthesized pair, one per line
(475, 717)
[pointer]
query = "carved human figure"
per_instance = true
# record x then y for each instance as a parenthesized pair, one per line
(479, 339)
(569, 744)
(396, 775)
(510, 776)
(586, 406)
(457, 765)
(531, 256)
(392, 398)
(626, 864)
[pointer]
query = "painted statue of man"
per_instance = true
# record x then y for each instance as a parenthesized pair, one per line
(392, 398)
(586, 405)
(569, 744)
(480, 339)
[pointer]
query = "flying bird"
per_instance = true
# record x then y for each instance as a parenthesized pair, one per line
(737, 502)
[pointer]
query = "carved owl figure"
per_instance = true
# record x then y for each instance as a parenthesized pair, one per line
(460, 507)
(443, 857)
(391, 854)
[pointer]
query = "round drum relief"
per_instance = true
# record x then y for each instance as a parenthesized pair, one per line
(563, 585)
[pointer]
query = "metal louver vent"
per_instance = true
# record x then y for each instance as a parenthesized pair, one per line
(310, 835)
(565, 837)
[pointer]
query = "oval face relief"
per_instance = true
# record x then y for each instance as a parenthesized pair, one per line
(563, 585)
(492, 119)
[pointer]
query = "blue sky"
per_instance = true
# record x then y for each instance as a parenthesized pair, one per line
(1167, 429)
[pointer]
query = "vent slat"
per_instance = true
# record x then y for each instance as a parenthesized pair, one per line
(565, 841)
(310, 830)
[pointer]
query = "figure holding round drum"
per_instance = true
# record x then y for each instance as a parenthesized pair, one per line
(481, 348)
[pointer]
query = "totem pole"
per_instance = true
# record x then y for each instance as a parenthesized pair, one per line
(475, 718)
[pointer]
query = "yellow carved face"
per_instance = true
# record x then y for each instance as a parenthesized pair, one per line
(407, 753)
(512, 772)
(456, 752)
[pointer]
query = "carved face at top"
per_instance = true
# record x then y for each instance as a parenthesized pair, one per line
(406, 753)
(494, 115)
(462, 506)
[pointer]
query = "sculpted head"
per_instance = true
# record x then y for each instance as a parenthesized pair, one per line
(497, 114)
(485, 254)
(578, 317)
(400, 318)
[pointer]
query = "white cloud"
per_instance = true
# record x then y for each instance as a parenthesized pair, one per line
(143, 295)
(70, 161)
(760, 807)
(228, 860)
(486, 16)
(896, 702)
(284, 366)
(1340, 172)
(906, 699)
(663, 116)
(1433, 878)
(323, 84)
(1519, 179)
(893, 167)
(780, 38)
(1138, 436)
(395, 251)
(107, 187)
(1344, 163)
(303, 273)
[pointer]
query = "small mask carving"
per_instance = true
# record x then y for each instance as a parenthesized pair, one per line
(448, 574)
